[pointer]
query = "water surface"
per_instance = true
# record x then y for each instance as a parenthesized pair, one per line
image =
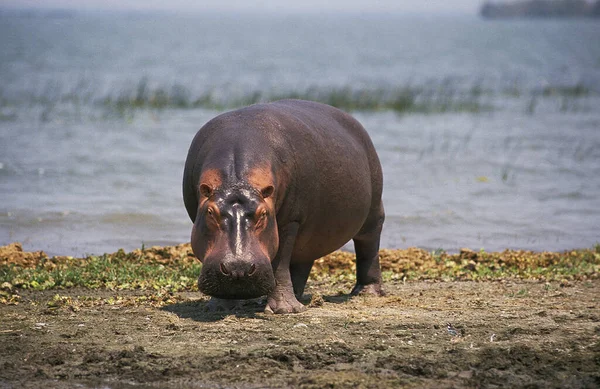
(488, 132)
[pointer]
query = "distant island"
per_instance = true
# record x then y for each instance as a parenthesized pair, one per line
(540, 9)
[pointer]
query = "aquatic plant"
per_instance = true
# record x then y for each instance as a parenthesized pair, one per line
(436, 97)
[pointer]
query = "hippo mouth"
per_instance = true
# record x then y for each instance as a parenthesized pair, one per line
(214, 283)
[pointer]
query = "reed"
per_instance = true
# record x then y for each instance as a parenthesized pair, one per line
(441, 97)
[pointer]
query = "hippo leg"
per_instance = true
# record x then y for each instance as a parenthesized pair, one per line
(366, 245)
(299, 275)
(282, 298)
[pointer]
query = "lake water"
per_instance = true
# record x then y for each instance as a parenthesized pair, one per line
(488, 131)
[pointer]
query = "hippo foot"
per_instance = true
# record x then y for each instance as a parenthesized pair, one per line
(225, 305)
(284, 303)
(369, 289)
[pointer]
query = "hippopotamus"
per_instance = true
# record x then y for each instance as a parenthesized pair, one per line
(272, 187)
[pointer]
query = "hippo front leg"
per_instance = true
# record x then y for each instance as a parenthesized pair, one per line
(282, 298)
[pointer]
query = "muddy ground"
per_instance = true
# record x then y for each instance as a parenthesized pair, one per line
(504, 334)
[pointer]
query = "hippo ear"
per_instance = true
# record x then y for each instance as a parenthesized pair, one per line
(205, 190)
(267, 191)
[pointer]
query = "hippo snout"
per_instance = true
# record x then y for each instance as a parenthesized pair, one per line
(236, 279)
(238, 270)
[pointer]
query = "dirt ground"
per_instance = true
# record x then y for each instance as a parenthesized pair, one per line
(502, 334)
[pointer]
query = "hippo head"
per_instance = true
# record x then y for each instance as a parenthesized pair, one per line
(235, 236)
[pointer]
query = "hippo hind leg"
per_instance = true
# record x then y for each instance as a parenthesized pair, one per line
(300, 273)
(366, 245)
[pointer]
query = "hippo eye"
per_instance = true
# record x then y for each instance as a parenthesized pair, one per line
(263, 214)
(209, 211)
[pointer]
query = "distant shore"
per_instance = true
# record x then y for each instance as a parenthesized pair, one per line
(540, 9)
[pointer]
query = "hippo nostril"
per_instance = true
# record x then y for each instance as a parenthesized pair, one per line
(237, 270)
(224, 269)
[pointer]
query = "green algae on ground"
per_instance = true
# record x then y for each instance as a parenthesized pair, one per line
(170, 268)
(418, 264)
(175, 268)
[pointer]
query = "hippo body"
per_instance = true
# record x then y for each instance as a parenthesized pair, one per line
(272, 187)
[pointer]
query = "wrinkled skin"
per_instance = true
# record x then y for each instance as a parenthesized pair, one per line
(272, 187)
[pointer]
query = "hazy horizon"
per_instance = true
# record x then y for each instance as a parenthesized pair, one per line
(376, 6)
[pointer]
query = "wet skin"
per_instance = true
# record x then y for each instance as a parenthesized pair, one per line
(272, 187)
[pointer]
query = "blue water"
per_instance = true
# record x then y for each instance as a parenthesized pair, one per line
(499, 148)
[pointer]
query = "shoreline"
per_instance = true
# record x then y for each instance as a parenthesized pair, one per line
(177, 269)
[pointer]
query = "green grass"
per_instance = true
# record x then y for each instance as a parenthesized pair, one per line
(416, 264)
(115, 271)
(172, 269)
